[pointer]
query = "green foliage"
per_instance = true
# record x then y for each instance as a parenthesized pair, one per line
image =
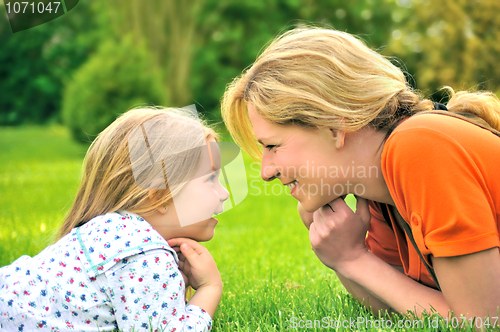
(450, 42)
(119, 76)
(197, 47)
(35, 63)
(232, 33)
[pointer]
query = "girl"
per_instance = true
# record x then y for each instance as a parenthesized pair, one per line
(322, 104)
(112, 267)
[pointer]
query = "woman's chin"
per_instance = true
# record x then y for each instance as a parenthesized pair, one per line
(310, 206)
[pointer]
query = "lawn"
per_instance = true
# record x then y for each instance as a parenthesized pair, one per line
(272, 279)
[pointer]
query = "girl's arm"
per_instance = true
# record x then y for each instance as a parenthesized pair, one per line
(201, 271)
(147, 293)
(470, 283)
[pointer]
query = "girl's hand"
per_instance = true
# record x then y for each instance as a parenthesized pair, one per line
(184, 266)
(196, 263)
(337, 234)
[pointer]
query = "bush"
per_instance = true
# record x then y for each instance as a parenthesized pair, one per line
(35, 63)
(115, 79)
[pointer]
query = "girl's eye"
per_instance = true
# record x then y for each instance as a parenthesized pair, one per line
(270, 147)
(214, 176)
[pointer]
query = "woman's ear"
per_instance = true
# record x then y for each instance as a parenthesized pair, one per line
(162, 208)
(338, 136)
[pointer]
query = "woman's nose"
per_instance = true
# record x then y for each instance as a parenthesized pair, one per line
(268, 171)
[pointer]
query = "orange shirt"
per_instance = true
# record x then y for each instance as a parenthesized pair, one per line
(443, 174)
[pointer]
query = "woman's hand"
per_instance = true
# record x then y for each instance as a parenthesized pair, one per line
(306, 217)
(337, 234)
(196, 264)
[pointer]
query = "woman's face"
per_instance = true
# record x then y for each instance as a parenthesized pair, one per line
(311, 162)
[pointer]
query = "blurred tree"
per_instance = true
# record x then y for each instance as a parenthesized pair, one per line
(450, 42)
(232, 34)
(167, 29)
(197, 47)
(114, 79)
(35, 64)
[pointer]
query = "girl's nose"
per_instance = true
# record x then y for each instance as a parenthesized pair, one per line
(224, 194)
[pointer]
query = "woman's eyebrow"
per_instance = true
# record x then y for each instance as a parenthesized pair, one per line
(264, 139)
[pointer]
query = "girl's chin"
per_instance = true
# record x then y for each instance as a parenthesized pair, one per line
(204, 237)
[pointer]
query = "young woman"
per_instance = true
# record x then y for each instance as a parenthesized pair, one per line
(334, 118)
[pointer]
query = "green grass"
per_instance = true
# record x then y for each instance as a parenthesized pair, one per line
(270, 274)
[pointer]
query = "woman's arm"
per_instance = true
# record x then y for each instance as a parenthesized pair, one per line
(359, 293)
(364, 297)
(338, 238)
(470, 283)
(391, 287)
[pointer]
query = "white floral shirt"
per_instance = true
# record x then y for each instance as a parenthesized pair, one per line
(113, 273)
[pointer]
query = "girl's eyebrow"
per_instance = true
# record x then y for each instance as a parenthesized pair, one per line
(209, 175)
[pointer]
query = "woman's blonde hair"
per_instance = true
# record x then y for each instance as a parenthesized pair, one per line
(316, 77)
(108, 182)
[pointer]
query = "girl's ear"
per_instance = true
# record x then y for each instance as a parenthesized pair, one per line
(338, 136)
(162, 208)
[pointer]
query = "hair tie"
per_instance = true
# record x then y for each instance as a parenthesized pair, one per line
(211, 158)
(440, 107)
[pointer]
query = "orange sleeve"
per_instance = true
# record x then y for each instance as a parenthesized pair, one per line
(381, 240)
(440, 192)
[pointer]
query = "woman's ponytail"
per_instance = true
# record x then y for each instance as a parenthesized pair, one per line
(483, 104)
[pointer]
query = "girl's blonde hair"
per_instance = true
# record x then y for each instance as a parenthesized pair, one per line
(316, 77)
(108, 182)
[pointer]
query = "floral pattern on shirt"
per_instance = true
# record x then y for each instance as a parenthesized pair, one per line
(114, 272)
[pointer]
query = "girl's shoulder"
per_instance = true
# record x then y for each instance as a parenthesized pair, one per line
(107, 239)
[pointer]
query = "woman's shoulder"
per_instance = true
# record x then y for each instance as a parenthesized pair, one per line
(439, 123)
(424, 132)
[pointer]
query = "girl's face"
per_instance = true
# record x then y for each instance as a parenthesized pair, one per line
(190, 213)
(308, 161)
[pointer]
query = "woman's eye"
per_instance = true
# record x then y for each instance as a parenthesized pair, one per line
(270, 147)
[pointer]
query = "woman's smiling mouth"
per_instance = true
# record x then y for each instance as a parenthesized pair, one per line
(292, 185)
